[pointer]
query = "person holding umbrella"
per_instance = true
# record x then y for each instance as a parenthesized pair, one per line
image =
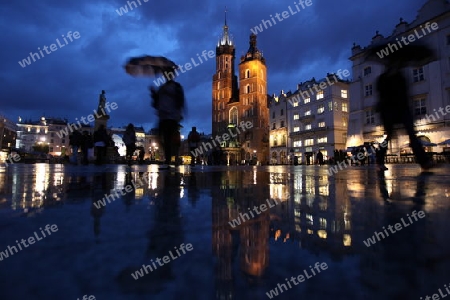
(169, 101)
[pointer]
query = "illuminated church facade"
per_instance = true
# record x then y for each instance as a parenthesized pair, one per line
(233, 104)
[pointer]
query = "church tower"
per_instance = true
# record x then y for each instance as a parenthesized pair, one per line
(232, 105)
(254, 101)
(224, 89)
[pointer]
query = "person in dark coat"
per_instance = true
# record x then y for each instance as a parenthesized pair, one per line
(129, 139)
(87, 143)
(193, 140)
(319, 158)
(393, 106)
(101, 140)
(75, 141)
(169, 101)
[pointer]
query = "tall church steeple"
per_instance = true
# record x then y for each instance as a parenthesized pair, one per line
(224, 88)
(225, 39)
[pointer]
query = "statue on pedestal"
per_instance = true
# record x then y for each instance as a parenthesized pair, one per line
(101, 116)
(101, 103)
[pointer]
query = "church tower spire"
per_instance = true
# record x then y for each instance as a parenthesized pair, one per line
(225, 38)
(224, 89)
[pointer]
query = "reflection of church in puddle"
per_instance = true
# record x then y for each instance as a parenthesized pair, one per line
(248, 242)
(313, 211)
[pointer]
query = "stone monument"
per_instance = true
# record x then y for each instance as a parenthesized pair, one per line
(101, 116)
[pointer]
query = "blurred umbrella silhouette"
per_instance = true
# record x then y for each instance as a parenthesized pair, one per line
(446, 142)
(411, 55)
(149, 66)
(424, 144)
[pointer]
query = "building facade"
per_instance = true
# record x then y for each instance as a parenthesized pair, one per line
(279, 148)
(51, 132)
(316, 118)
(429, 85)
(232, 105)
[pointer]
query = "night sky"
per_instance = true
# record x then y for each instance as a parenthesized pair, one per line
(67, 81)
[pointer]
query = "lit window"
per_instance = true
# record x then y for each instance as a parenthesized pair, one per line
(344, 107)
(320, 109)
(344, 122)
(296, 128)
(418, 74)
(307, 100)
(322, 140)
(294, 103)
(309, 142)
(308, 126)
(297, 143)
(321, 124)
(319, 95)
(330, 105)
(296, 116)
(308, 112)
(368, 90)
(344, 94)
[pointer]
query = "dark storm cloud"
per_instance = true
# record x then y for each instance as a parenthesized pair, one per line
(67, 82)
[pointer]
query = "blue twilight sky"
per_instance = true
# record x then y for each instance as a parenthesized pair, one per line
(66, 82)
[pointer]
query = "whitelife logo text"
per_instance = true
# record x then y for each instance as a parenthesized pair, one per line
(27, 61)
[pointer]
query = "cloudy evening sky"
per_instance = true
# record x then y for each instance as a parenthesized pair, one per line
(66, 82)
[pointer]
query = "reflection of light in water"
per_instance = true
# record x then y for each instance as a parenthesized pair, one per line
(181, 192)
(254, 175)
(347, 240)
(153, 181)
(139, 193)
(322, 233)
(40, 186)
(277, 234)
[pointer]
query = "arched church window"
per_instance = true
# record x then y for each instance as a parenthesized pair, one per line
(233, 116)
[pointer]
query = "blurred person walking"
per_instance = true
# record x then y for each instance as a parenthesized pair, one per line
(169, 101)
(393, 106)
(193, 140)
(101, 140)
(129, 139)
(75, 141)
(319, 158)
(86, 144)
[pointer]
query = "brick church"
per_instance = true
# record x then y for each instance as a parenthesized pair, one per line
(234, 102)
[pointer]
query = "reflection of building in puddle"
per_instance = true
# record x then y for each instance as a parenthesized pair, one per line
(40, 187)
(249, 241)
(317, 214)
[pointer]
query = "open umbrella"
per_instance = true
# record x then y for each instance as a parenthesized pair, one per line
(425, 144)
(149, 66)
(413, 54)
(446, 142)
